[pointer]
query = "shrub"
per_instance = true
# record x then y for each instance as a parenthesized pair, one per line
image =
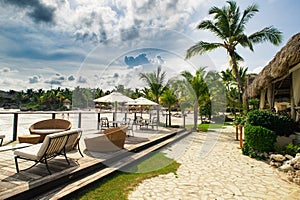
(281, 125)
(292, 149)
(260, 138)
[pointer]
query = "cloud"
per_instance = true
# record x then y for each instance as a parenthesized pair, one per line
(82, 80)
(7, 70)
(38, 11)
(57, 79)
(71, 78)
(135, 61)
(34, 79)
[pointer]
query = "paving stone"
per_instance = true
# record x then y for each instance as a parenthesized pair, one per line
(223, 173)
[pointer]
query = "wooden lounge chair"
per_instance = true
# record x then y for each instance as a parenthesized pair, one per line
(54, 144)
(111, 139)
(49, 126)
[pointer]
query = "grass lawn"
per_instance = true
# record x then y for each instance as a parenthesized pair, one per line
(205, 127)
(119, 184)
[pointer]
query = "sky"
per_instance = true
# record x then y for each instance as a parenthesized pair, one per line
(90, 43)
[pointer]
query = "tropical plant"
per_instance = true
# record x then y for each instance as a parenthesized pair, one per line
(233, 93)
(156, 82)
(229, 25)
(169, 99)
(199, 89)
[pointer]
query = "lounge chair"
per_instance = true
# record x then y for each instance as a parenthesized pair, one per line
(49, 126)
(54, 144)
(111, 139)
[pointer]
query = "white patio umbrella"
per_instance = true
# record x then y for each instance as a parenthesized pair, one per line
(115, 97)
(141, 101)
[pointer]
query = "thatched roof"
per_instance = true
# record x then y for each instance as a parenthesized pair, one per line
(278, 67)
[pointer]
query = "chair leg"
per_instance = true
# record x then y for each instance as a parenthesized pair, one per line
(16, 163)
(78, 148)
(64, 152)
(47, 166)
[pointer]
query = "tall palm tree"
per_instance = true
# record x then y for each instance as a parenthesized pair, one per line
(229, 25)
(156, 82)
(199, 88)
(169, 99)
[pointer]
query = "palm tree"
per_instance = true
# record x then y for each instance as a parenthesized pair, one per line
(229, 25)
(200, 90)
(155, 81)
(169, 99)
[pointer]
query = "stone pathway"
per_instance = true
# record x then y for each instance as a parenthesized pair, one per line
(221, 172)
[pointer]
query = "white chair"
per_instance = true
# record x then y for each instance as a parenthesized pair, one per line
(53, 145)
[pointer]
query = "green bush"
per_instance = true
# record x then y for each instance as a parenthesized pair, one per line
(281, 125)
(259, 138)
(292, 149)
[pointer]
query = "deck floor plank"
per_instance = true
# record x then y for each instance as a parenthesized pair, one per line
(12, 183)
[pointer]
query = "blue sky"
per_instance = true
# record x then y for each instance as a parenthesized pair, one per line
(69, 43)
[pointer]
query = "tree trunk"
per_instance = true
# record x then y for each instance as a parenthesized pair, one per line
(196, 115)
(237, 75)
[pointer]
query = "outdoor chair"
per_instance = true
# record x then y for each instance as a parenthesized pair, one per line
(104, 123)
(49, 126)
(112, 139)
(129, 123)
(153, 122)
(139, 121)
(54, 144)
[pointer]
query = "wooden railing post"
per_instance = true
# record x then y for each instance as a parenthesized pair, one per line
(241, 136)
(236, 132)
(15, 127)
(79, 120)
(98, 122)
(53, 115)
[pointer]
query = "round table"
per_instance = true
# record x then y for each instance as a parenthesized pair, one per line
(32, 138)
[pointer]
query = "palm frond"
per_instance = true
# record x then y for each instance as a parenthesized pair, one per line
(247, 14)
(202, 47)
(270, 34)
(208, 25)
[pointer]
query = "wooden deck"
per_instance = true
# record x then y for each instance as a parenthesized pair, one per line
(36, 181)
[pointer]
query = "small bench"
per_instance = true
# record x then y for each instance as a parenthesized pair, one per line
(54, 144)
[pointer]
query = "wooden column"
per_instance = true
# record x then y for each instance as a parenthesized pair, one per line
(241, 136)
(293, 112)
(262, 99)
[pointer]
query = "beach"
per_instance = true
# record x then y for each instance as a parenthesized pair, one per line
(88, 120)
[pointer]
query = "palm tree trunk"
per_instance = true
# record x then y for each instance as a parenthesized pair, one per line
(196, 115)
(237, 76)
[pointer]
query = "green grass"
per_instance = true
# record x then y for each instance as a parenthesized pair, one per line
(205, 127)
(120, 184)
